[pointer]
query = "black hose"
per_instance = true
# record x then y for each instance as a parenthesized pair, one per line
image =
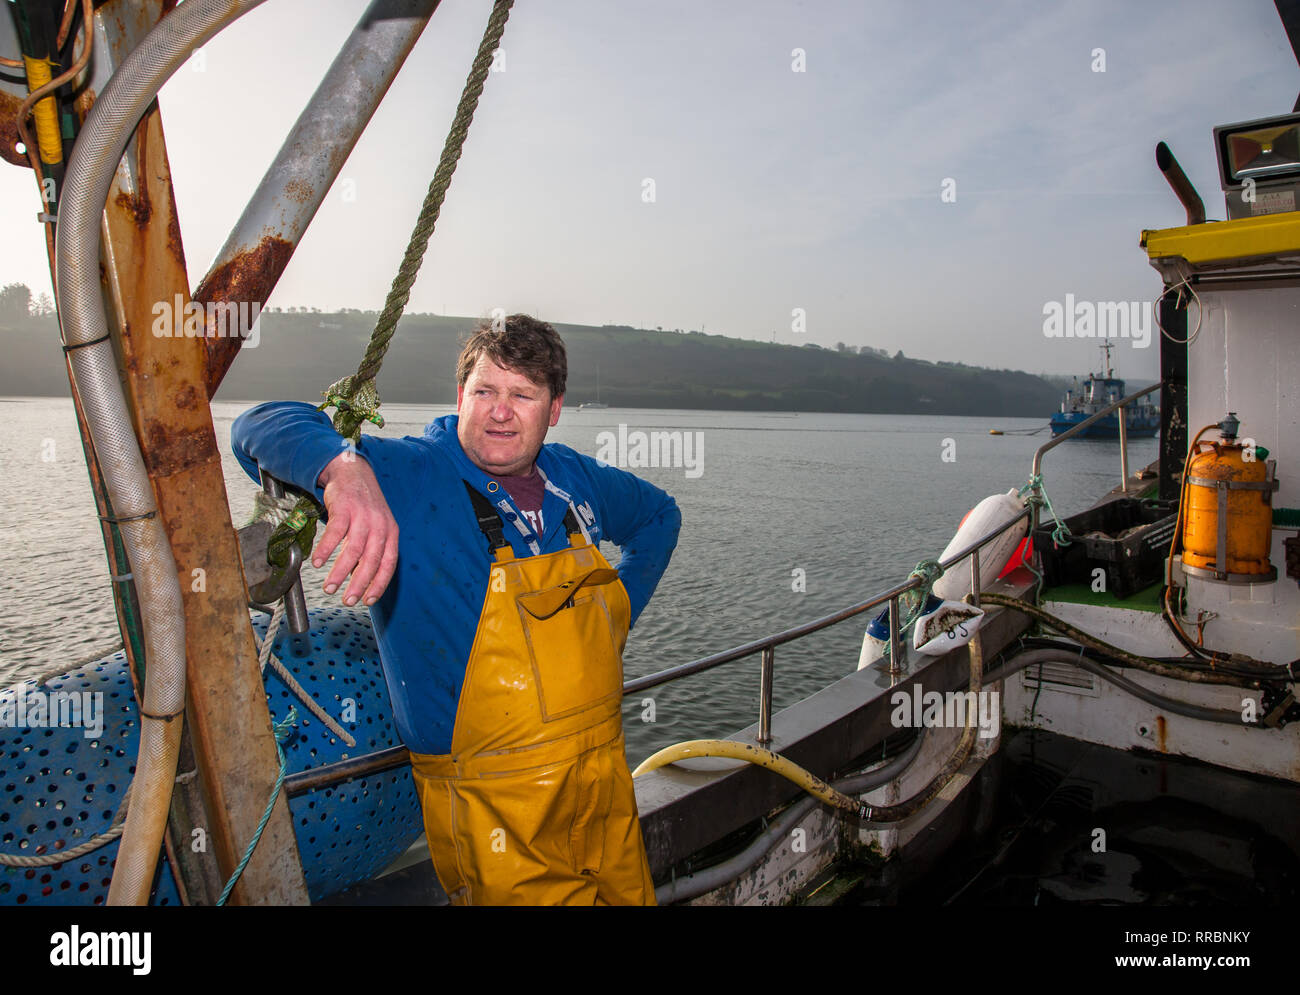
(1175, 671)
(1270, 674)
(1093, 666)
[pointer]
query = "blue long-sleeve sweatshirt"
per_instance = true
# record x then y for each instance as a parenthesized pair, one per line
(426, 619)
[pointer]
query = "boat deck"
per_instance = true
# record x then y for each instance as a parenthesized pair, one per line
(1146, 600)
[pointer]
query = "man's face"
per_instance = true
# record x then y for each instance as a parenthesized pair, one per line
(503, 418)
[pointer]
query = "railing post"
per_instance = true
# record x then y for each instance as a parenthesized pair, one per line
(1123, 452)
(896, 649)
(975, 576)
(765, 696)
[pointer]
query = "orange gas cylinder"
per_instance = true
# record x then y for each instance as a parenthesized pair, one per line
(1227, 511)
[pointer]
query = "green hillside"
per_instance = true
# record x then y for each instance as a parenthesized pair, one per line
(299, 354)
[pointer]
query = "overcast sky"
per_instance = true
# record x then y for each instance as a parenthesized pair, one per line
(773, 189)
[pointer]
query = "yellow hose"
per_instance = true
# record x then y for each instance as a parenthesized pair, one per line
(48, 139)
(774, 762)
(818, 788)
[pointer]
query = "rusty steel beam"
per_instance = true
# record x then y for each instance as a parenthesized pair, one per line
(262, 242)
(232, 742)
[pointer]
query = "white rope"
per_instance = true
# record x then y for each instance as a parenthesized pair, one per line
(66, 669)
(272, 627)
(81, 849)
(271, 509)
(1183, 283)
(265, 656)
(275, 511)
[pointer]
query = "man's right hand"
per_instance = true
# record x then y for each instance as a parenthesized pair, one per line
(359, 518)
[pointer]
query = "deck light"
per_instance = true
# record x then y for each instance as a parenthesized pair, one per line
(1259, 165)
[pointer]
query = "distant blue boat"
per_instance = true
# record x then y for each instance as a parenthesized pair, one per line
(1142, 418)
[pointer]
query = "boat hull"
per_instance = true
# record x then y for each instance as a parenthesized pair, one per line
(1138, 426)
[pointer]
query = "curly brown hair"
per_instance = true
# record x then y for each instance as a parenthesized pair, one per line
(521, 343)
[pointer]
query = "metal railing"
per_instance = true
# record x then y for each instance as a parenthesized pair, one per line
(767, 645)
(398, 756)
(1119, 406)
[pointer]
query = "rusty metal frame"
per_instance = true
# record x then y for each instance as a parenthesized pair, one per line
(259, 247)
(228, 759)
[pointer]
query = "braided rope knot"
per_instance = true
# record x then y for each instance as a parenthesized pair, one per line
(357, 401)
(913, 601)
(285, 725)
(928, 572)
(1036, 494)
(356, 396)
(298, 527)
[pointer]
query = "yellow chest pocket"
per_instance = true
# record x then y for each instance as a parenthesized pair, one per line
(574, 644)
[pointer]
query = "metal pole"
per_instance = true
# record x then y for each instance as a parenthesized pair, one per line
(1123, 452)
(295, 599)
(896, 649)
(1056, 441)
(1182, 186)
(765, 696)
(975, 578)
(262, 242)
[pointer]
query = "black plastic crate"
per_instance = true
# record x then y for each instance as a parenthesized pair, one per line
(1128, 538)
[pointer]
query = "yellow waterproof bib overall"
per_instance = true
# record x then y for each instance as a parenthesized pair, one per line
(534, 805)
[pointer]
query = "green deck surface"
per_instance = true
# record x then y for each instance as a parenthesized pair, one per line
(1145, 600)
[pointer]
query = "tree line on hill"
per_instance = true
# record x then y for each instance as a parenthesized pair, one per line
(300, 352)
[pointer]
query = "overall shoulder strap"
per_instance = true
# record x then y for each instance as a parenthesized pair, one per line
(489, 522)
(571, 525)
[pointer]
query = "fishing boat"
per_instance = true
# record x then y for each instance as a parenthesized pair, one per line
(1100, 390)
(846, 795)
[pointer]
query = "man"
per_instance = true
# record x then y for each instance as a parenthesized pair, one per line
(500, 625)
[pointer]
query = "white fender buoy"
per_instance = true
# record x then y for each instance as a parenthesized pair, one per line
(989, 514)
(877, 635)
(945, 627)
(954, 585)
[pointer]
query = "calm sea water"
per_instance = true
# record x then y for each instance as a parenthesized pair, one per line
(853, 501)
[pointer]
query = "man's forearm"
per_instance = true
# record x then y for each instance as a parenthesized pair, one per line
(290, 440)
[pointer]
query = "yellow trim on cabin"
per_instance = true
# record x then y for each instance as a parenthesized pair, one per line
(1266, 235)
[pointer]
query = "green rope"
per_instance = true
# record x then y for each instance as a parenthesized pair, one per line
(356, 397)
(281, 730)
(1038, 578)
(300, 528)
(1035, 493)
(929, 572)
